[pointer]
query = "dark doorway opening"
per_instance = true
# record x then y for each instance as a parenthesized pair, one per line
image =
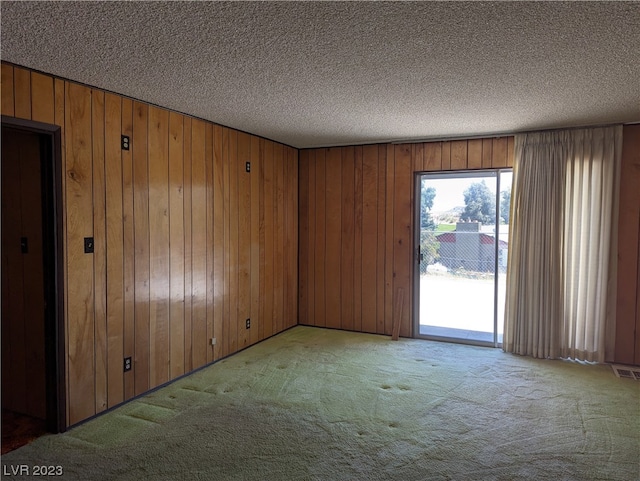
(33, 399)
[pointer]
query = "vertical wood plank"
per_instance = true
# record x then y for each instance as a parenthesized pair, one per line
(432, 156)
(381, 252)
(510, 143)
(628, 290)
(141, 237)
(218, 240)
(295, 243)
(176, 242)
(474, 155)
(255, 239)
(269, 248)
(244, 239)
(499, 157)
(226, 316)
(402, 252)
(233, 252)
(22, 88)
(60, 120)
(7, 91)
(188, 263)
(417, 155)
(303, 264)
(320, 247)
(99, 248)
(81, 353)
(487, 153)
(459, 155)
(159, 245)
(369, 245)
(311, 239)
(389, 240)
(115, 243)
(347, 236)
(357, 261)
(210, 288)
(198, 245)
(278, 236)
(446, 155)
(262, 236)
(333, 243)
(128, 248)
(42, 98)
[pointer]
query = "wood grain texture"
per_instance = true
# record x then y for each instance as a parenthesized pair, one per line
(320, 247)
(22, 88)
(218, 239)
(347, 238)
(269, 248)
(159, 277)
(142, 295)
(357, 254)
(278, 239)
(7, 92)
(311, 271)
(231, 334)
(403, 235)
(389, 239)
(115, 245)
(474, 154)
(381, 261)
(369, 244)
(176, 242)
(79, 217)
(255, 239)
(188, 264)
(198, 245)
(627, 350)
(459, 154)
(128, 251)
(333, 233)
(210, 247)
(244, 240)
(42, 98)
(100, 249)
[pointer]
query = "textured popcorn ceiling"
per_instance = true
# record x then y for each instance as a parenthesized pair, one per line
(323, 73)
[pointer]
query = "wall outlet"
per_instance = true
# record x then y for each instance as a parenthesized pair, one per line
(213, 341)
(248, 323)
(127, 364)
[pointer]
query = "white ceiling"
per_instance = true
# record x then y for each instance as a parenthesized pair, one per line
(314, 74)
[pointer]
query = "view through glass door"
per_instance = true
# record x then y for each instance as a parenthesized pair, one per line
(463, 221)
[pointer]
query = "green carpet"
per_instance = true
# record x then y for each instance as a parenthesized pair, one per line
(317, 404)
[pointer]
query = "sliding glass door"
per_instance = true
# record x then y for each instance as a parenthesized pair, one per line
(462, 239)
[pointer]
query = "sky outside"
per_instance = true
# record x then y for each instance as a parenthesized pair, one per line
(450, 190)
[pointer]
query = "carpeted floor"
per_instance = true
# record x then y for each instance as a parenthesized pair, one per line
(317, 404)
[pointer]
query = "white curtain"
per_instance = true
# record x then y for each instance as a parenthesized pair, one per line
(560, 277)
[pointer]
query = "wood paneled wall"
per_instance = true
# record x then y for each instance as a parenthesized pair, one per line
(627, 345)
(188, 245)
(356, 226)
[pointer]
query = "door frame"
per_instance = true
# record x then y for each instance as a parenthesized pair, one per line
(53, 263)
(416, 253)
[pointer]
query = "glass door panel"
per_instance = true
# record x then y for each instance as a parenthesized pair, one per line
(462, 255)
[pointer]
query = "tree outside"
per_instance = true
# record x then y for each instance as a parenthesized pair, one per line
(480, 204)
(505, 206)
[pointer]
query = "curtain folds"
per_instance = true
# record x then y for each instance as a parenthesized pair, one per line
(563, 214)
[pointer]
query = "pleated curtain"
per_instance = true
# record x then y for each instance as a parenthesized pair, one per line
(561, 267)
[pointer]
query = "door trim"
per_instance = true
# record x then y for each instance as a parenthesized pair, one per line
(51, 163)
